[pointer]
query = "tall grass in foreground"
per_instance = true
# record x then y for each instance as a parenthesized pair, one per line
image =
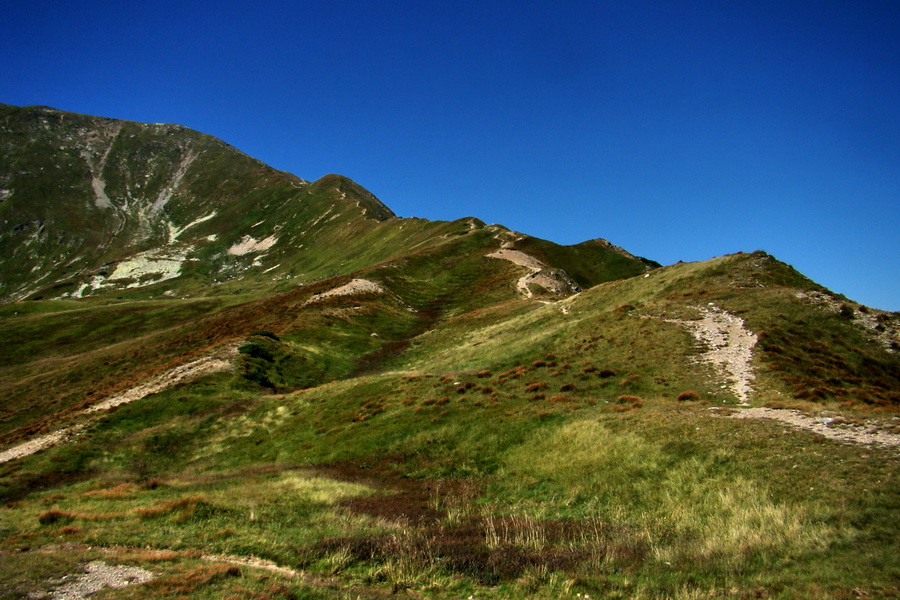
(684, 511)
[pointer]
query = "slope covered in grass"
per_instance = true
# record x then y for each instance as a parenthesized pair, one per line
(517, 449)
(402, 416)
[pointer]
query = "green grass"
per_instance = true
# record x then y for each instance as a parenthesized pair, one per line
(657, 501)
(444, 439)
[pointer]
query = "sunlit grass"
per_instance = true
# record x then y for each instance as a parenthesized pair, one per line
(557, 454)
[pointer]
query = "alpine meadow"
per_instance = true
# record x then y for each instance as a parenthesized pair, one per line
(220, 380)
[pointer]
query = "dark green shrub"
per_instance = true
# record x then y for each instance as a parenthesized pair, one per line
(267, 334)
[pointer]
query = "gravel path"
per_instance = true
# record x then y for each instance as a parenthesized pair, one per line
(35, 445)
(189, 370)
(218, 361)
(97, 576)
(553, 280)
(829, 427)
(729, 348)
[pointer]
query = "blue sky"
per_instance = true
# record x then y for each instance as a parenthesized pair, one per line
(678, 130)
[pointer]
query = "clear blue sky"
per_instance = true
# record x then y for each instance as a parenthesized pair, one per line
(678, 130)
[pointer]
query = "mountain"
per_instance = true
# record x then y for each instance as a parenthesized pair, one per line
(97, 205)
(247, 384)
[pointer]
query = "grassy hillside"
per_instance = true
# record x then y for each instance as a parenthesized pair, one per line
(399, 415)
(517, 449)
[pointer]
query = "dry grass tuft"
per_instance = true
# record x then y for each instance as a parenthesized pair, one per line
(184, 506)
(122, 490)
(514, 373)
(627, 403)
(187, 583)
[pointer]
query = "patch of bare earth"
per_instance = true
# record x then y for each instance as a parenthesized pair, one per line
(97, 576)
(355, 286)
(248, 245)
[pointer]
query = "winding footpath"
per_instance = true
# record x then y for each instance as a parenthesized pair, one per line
(541, 274)
(220, 360)
(729, 349)
(98, 575)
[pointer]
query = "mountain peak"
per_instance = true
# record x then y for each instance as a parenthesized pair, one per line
(347, 189)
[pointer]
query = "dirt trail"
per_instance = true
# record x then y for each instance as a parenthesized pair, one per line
(729, 348)
(552, 280)
(220, 360)
(830, 427)
(34, 445)
(97, 576)
(252, 562)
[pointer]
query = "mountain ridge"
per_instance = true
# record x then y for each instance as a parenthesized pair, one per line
(149, 201)
(273, 388)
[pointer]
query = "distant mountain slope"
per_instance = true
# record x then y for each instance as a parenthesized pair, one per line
(91, 205)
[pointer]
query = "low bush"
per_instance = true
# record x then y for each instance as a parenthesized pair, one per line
(267, 334)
